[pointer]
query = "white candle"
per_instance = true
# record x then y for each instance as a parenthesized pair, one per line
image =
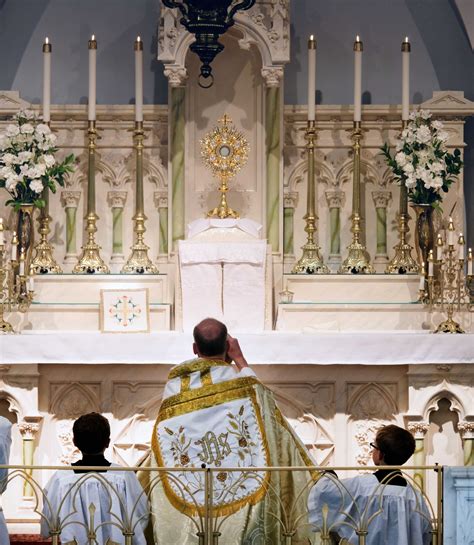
(311, 77)
(406, 79)
(469, 262)
(2, 236)
(47, 47)
(451, 232)
(92, 77)
(439, 248)
(138, 79)
(421, 285)
(31, 284)
(461, 243)
(14, 247)
(358, 48)
(22, 264)
(430, 264)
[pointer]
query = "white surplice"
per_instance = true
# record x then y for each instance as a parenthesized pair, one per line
(5, 444)
(403, 518)
(117, 497)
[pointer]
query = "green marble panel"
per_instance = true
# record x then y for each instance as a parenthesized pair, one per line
(117, 230)
(272, 148)
(288, 230)
(468, 452)
(163, 243)
(177, 149)
(335, 230)
(71, 230)
(381, 214)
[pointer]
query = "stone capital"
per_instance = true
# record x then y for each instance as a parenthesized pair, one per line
(290, 199)
(160, 199)
(117, 199)
(466, 429)
(70, 199)
(381, 198)
(177, 75)
(29, 428)
(272, 76)
(418, 429)
(335, 198)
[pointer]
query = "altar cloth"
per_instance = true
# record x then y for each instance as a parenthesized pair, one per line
(272, 347)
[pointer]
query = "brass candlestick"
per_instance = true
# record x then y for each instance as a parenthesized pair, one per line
(450, 293)
(16, 286)
(311, 262)
(402, 262)
(358, 259)
(139, 262)
(90, 261)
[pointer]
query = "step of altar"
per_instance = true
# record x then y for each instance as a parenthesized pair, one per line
(351, 288)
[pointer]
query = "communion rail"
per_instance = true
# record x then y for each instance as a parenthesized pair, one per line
(213, 503)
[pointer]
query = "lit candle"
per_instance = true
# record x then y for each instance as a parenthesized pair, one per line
(451, 234)
(461, 243)
(14, 246)
(430, 264)
(439, 247)
(2, 236)
(138, 79)
(311, 77)
(406, 79)
(469, 262)
(421, 285)
(31, 283)
(358, 48)
(47, 47)
(92, 77)
(22, 263)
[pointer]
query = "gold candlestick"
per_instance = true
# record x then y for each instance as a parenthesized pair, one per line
(311, 262)
(90, 261)
(139, 262)
(402, 262)
(358, 259)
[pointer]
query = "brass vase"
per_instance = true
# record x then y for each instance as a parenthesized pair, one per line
(25, 233)
(424, 231)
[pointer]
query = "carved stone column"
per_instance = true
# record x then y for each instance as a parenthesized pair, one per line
(381, 201)
(419, 429)
(273, 116)
(161, 203)
(116, 201)
(177, 122)
(28, 428)
(335, 200)
(290, 201)
(466, 429)
(70, 201)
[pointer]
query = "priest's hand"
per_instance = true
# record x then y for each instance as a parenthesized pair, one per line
(234, 353)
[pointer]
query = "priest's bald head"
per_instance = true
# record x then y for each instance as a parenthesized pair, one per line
(210, 339)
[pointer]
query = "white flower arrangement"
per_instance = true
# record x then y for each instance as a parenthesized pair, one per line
(422, 161)
(27, 162)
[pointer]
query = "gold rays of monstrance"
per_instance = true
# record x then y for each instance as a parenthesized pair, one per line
(224, 151)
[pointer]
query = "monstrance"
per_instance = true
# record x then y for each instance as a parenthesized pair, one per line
(225, 152)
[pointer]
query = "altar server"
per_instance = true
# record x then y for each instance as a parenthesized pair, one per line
(218, 415)
(108, 503)
(5, 444)
(383, 503)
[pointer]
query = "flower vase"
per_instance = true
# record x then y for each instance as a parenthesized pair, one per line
(424, 231)
(25, 233)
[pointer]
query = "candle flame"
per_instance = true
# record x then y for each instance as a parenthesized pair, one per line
(93, 37)
(46, 40)
(311, 37)
(406, 39)
(357, 38)
(138, 39)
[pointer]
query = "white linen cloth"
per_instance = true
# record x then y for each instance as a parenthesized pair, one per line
(198, 226)
(269, 347)
(5, 444)
(223, 280)
(117, 496)
(403, 518)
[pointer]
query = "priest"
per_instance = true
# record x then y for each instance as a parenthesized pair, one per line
(216, 415)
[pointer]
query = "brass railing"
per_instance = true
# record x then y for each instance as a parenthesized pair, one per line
(209, 523)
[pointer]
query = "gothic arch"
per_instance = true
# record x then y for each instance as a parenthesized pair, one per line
(323, 174)
(14, 404)
(369, 173)
(456, 405)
